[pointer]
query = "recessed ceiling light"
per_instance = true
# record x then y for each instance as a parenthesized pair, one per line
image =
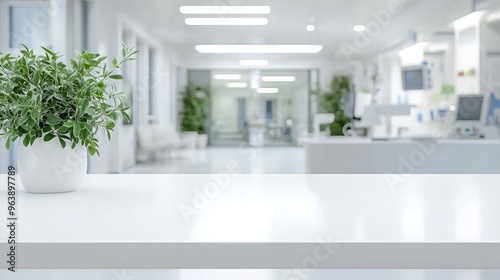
(254, 62)
(226, 21)
(278, 79)
(359, 28)
(259, 49)
(237, 85)
(229, 77)
(268, 90)
(310, 28)
(225, 10)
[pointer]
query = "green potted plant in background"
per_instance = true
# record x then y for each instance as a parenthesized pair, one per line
(57, 112)
(194, 115)
(331, 102)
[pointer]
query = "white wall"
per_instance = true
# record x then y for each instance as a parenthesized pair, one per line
(300, 110)
(107, 26)
(468, 53)
(490, 55)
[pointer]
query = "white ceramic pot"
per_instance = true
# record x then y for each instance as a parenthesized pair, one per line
(202, 141)
(45, 167)
(190, 140)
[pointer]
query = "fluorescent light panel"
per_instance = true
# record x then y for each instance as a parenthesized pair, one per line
(268, 90)
(254, 62)
(278, 79)
(237, 85)
(228, 77)
(468, 21)
(225, 10)
(359, 28)
(267, 49)
(226, 21)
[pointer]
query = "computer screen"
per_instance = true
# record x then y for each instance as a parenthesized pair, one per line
(470, 108)
(413, 79)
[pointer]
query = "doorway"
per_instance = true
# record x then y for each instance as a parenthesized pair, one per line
(276, 104)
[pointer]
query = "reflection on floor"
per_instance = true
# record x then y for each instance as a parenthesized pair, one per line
(246, 160)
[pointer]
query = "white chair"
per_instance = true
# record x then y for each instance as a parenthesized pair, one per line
(322, 119)
(159, 138)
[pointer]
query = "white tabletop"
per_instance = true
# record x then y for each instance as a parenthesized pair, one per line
(359, 212)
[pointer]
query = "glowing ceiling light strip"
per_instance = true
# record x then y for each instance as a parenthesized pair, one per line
(227, 77)
(268, 90)
(225, 10)
(226, 21)
(269, 49)
(237, 85)
(278, 79)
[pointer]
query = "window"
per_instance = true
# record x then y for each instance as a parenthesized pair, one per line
(85, 24)
(128, 80)
(151, 85)
(29, 25)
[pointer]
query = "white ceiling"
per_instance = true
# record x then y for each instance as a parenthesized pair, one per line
(334, 20)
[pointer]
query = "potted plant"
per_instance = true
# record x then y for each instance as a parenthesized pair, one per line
(202, 99)
(57, 112)
(332, 103)
(194, 116)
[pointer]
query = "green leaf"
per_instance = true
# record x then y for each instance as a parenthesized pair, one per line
(62, 130)
(24, 120)
(48, 137)
(7, 144)
(22, 129)
(69, 124)
(63, 143)
(51, 118)
(31, 122)
(74, 63)
(116, 77)
(36, 77)
(48, 51)
(85, 104)
(92, 150)
(34, 115)
(126, 116)
(88, 127)
(46, 129)
(110, 125)
(26, 141)
(76, 130)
